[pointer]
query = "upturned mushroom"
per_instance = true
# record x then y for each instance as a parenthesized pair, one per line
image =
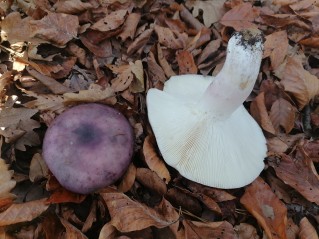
(200, 125)
(88, 147)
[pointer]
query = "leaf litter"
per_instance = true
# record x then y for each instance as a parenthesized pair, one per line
(56, 54)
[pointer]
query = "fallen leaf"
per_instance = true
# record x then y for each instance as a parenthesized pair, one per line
(52, 84)
(292, 229)
(186, 63)
(310, 42)
(111, 21)
(14, 29)
(72, 6)
(60, 194)
(137, 85)
(23, 212)
(47, 102)
(312, 150)
(259, 112)
(212, 10)
(128, 179)
(71, 232)
(264, 205)
(108, 231)
(93, 94)
(19, 120)
(276, 47)
(151, 180)
(38, 168)
(181, 200)
(153, 161)
(56, 28)
(164, 63)
(199, 230)
(6, 185)
(219, 195)
(125, 77)
(298, 81)
(246, 231)
(283, 20)
(307, 230)
(170, 38)
(276, 145)
(140, 42)
(128, 215)
(130, 26)
(282, 114)
(240, 17)
(155, 73)
(299, 173)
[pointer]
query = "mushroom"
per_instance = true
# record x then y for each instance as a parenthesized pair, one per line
(200, 125)
(88, 147)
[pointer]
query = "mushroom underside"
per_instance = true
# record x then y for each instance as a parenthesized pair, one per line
(218, 152)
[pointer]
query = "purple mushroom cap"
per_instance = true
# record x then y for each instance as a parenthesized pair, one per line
(88, 147)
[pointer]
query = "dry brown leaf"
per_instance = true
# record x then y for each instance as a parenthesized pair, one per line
(14, 29)
(283, 20)
(128, 179)
(56, 28)
(17, 120)
(312, 150)
(111, 21)
(128, 215)
(93, 94)
(219, 195)
(137, 85)
(6, 185)
(4, 82)
(153, 161)
(282, 114)
(23, 212)
(108, 232)
(38, 168)
(240, 17)
(279, 187)
(72, 6)
(310, 42)
(292, 229)
(212, 10)
(199, 230)
(155, 73)
(125, 77)
(276, 145)
(52, 84)
(209, 50)
(180, 199)
(140, 42)
(307, 230)
(170, 38)
(167, 68)
(276, 47)
(130, 26)
(246, 231)
(269, 211)
(260, 114)
(299, 173)
(151, 180)
(47, 102)
(298, 81)
(186, 63)
(71, 232)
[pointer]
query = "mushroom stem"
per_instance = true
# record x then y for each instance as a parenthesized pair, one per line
(235, 81)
